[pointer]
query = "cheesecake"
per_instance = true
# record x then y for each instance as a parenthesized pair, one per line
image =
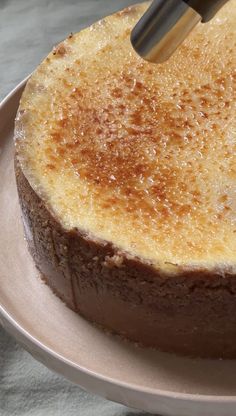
(126, 175)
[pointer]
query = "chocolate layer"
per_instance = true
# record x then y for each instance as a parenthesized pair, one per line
(192, 313)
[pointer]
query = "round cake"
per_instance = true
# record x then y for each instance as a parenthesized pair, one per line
(126, 174)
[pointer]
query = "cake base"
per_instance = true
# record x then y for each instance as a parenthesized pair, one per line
(192, 313)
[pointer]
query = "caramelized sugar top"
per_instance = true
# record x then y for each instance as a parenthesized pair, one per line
(139, 154)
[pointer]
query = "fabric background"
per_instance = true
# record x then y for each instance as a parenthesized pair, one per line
(28, 31)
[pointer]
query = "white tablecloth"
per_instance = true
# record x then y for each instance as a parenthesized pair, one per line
(28, 31)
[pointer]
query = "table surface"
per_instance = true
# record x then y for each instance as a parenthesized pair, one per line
(28, 31)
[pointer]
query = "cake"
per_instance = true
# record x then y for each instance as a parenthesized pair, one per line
(126, 175)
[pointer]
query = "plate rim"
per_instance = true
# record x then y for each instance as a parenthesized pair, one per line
(28, 341)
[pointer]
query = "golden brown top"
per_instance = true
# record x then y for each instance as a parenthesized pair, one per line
(139, 154)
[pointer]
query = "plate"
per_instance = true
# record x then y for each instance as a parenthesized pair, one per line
(66, 343)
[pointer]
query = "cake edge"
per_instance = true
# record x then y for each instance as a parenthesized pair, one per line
(191, 313)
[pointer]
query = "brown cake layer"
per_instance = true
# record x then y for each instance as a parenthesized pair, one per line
(193, 313)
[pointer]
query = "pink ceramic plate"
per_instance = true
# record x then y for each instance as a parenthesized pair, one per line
(63, 341)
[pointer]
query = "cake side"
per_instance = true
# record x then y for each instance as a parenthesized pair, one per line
(192, 313)
(145, 154)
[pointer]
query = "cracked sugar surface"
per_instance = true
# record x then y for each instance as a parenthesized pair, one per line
(138, 154)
